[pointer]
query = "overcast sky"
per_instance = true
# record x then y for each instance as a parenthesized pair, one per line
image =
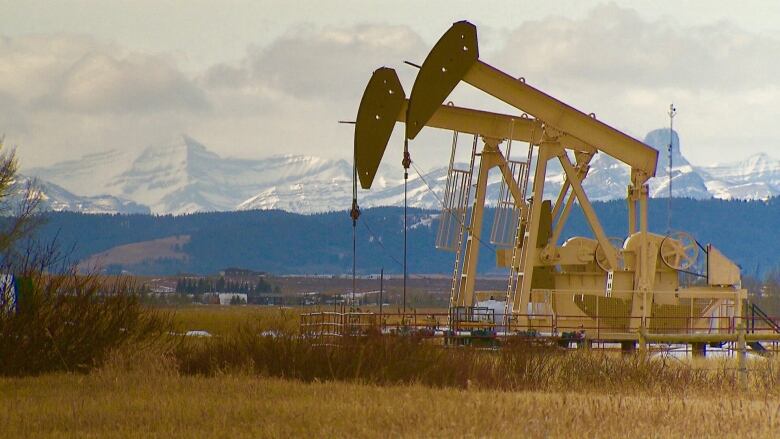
(256, 78)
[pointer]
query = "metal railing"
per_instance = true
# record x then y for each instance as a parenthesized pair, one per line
(326, 328)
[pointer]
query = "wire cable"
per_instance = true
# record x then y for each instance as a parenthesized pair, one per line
(381, 244)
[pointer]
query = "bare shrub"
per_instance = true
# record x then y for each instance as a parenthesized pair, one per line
(61, 319)
(71, 322)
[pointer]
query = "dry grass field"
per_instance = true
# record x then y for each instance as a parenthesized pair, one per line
(108, 404)
(221, 320)
(237, 384)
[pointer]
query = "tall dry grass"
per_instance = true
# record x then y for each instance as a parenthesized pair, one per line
(384, 360)
(161, 405)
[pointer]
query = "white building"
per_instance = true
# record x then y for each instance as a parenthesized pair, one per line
(224, 298)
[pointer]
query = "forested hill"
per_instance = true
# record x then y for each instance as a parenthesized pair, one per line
(287, 243)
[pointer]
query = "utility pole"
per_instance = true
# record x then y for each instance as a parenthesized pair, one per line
(672, 113)
(381, 288)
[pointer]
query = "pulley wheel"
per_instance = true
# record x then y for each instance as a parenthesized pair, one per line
(679, 251)
(601, 257)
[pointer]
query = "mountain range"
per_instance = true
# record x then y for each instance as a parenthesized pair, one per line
(183, 176)
(288, 243)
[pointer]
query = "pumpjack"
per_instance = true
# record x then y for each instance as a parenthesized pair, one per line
(619, 285)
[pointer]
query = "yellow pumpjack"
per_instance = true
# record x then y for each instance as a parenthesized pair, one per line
(597, 285)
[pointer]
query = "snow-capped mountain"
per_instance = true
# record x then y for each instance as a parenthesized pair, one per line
(58, 199)
(88, 175)
(758, 177)
(335, 193)
(183, 176)
(686, 180)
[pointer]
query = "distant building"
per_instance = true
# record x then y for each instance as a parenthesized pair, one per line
(161, 285)
(310, 298)
(224, 298)
(164, 289)
(361, 298)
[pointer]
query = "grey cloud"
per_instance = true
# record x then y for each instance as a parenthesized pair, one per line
(79, 74)
(99, 82)
(66, 95)
(63, 95)
(32, 64)
(328, 63)
(226, 76)
(616, 45)
(11, 115)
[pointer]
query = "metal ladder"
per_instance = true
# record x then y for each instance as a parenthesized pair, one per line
(519, 248)
(456, 272)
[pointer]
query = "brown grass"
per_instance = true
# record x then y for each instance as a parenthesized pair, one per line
(240, 346)
(225, 320)
(232, 385)
(391, 361)
(158, 404)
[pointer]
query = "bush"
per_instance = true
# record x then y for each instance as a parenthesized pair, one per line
(63, 320)
(71, 322)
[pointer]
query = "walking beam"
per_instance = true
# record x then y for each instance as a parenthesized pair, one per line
(383, 105)
(455, 58)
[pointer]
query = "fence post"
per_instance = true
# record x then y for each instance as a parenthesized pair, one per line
(642, 341)
(742, 356)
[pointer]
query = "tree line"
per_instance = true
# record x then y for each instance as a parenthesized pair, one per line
(200, 285)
